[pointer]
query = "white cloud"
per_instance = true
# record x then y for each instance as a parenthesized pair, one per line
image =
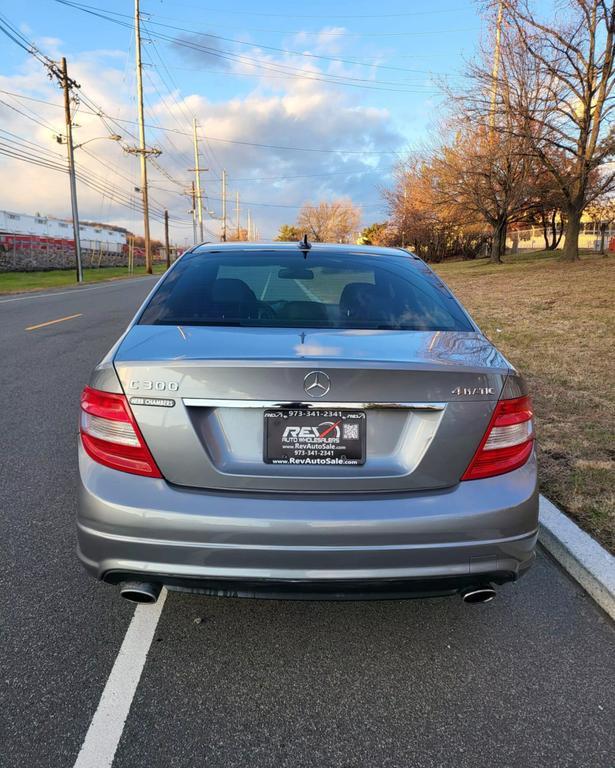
(288, 112)
(329, 41)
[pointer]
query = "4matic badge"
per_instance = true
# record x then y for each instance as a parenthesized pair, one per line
(472, 391)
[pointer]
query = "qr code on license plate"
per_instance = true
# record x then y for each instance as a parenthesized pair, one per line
(351, 431)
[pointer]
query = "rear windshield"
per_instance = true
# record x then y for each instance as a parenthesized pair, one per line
(324, 290)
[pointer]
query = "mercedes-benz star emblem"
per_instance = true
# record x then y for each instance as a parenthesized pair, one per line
(317, 384)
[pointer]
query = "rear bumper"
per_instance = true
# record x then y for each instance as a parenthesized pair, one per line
(362, 545)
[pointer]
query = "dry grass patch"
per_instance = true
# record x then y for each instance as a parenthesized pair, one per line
(556, 323)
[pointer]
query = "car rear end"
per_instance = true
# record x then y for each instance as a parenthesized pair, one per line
(283, 423)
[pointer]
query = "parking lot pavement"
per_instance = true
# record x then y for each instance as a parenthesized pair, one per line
(527, 679)
(59, 633)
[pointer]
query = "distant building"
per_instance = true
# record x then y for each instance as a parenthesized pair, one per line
(93, 236)
(590, 236)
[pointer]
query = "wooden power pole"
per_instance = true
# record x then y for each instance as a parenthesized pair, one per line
(193, 213)
(67, 84)
(197, 172)
(166, 238)
(237, 216)
(223, 206)
(495, 73)
(142, 150)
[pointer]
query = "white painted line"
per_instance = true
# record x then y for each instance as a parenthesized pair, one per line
(107, 726)
(311, 296)
(266, 286)
(105, 284)
(586, 561)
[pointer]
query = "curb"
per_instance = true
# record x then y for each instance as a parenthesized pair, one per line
(584, 559)
(49, 291)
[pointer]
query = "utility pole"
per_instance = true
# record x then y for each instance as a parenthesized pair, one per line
(249, 225)
(193, 215)
(223, 206)
(166, 237)
(237, 216)
(67, 84)
(142, 151)
(197, 172)
(495, 73)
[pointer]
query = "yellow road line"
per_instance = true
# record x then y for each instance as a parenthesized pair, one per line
(53, 322)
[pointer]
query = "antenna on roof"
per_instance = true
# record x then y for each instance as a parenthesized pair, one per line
(304, 246)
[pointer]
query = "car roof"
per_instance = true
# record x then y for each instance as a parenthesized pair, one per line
(362, 250)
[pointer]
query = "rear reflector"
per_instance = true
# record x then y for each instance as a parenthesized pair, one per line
(110, 434)
(508, 441)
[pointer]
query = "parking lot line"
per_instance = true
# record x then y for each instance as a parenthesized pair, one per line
(53, 322)
(105, 731)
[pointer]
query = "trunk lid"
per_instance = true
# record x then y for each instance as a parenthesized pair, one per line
(429, 396)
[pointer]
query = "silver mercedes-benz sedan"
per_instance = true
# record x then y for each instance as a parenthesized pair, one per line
(305, 421)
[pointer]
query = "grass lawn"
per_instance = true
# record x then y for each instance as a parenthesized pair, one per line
(556, 323)
(14, 282)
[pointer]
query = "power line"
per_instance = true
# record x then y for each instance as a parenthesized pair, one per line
(29, 117)
(318, 33)
(416, 89)
(181, 107)
(87, 152)
(16, 36)
(367, 171)
(261, 204)
(243, 179)
(312, 16)
(19, 140)
(276, 67)
(88, 178)
(121, 121)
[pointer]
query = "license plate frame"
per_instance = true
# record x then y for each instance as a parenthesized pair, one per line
(314, 437)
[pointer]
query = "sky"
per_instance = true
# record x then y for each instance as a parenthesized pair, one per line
(298, 102)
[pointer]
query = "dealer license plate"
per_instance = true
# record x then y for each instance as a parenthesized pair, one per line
(318, 437)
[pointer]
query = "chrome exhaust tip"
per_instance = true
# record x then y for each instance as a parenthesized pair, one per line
(140, 591)
(475, 595)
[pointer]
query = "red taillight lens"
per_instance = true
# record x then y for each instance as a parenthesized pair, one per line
(110, 434)
(507, 443)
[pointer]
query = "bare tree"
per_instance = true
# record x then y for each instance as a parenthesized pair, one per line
(483, 171)
(335, 222)
(602, 212)
(237, 236)
(546, 209)
(556, 82)
(483, 176)
(418, 218)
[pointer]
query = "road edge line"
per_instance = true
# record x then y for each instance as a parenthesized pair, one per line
(107, 725)
(579, 554)
(62, 290)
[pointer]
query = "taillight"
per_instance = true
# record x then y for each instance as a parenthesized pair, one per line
(110, 434)
(507, 443)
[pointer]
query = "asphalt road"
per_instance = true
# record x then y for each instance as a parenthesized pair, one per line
(526, 680)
